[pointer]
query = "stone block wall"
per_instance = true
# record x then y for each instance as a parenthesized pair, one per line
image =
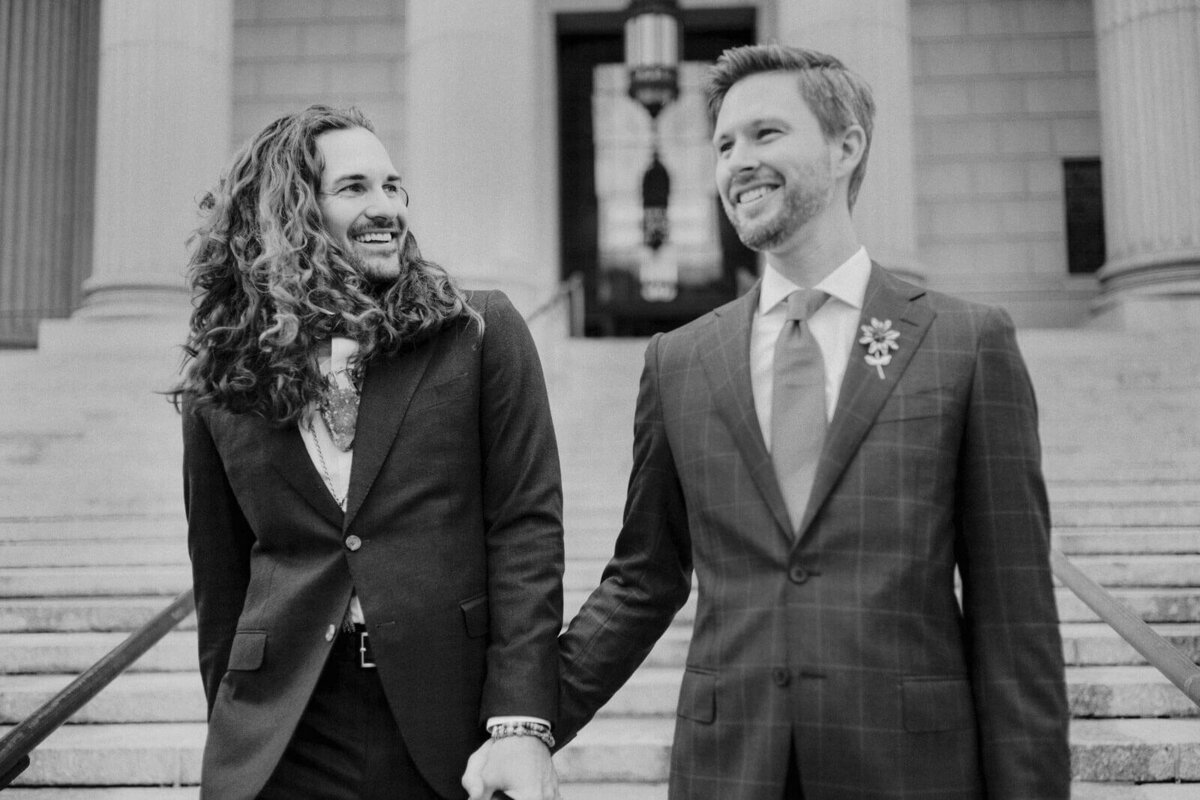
(289, 54)
(1003, 91)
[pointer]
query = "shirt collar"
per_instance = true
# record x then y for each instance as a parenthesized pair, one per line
(334, 355)
(847, 283)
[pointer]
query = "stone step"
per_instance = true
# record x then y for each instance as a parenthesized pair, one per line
(1115, 492)
(1101, 750)
(1136, 750)
(79, 614)
(165, 754)
(1126, 541)
(1085, 643)
(610, 749)
(1093, 691)
(68, 529)
(1089, 790)
(1182, 513)
(1096, 644)
(104, 793)
(652, 691)
(72, 653)
(1125, 692)
(158, 551)
(130, 698)
(1131, 570)
(94, 581)
(572, 791)
(1152, 605)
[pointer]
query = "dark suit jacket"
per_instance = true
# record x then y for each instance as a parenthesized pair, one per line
(849, 638)
(455, 493)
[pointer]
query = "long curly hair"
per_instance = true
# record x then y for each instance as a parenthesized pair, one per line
(270, 282)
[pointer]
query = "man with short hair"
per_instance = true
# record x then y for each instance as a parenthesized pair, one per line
(825, 453)
(372, 490)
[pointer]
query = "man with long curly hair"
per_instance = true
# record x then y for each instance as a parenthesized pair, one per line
(372, 490)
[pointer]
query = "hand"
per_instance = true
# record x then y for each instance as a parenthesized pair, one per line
(520, 766)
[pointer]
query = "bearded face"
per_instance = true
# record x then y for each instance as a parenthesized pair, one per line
(774, 166)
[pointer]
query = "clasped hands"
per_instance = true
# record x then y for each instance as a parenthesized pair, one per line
(519, 766)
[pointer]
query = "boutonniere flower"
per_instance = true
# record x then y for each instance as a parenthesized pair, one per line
(880, 340)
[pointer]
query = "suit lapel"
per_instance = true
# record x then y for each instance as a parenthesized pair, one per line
(863, 392)
(725, 355)
(287, 454)
(388, 389)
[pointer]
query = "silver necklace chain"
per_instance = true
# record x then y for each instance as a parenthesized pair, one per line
(341, 501)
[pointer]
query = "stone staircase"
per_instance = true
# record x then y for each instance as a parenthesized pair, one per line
(92, 544)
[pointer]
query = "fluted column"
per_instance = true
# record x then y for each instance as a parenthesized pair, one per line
(872, 38)
(1149, 74)
(47, 135)
(163, 134)
(480, 145)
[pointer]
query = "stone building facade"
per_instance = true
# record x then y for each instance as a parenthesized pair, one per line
(1012, 135)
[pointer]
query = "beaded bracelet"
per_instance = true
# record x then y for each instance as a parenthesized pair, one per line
(537, 730)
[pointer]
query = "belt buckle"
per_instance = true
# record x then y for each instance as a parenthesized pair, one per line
(364, 648)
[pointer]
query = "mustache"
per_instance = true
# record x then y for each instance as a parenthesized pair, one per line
(393, 226)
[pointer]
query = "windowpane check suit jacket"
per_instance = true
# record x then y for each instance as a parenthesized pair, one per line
(845, 641)
(456, 496)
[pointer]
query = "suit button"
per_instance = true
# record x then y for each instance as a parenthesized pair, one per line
(797, 574)
(781, 676)
(353, 542)
(329, 632)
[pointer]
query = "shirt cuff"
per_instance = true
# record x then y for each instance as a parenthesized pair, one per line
(504, 720)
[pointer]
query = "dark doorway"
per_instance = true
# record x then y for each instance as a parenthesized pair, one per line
(604, 152)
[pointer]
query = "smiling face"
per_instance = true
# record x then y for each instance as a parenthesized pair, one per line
(776, 172)
(361, 200)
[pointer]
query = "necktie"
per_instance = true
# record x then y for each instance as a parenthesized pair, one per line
(798, 404)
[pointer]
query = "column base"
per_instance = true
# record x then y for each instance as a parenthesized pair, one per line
(134, 299)
(1158, 293)
(1147, 313)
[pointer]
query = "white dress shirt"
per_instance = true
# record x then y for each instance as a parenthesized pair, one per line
(332, 463)
(834, 326)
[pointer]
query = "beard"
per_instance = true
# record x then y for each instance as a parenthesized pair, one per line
(804, 197)
(377, 273)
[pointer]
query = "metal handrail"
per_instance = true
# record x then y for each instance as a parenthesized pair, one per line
(1162, 655)
(571, 289)
(21, 740)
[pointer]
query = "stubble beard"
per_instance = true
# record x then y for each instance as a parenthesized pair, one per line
(803, 200)
(380, 276)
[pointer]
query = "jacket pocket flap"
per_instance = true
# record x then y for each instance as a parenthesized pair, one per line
(698, 696)
(248, 650)
(937, 704)
(475, 615)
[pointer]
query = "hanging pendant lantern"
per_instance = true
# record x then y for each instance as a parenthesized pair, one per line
(652, 48)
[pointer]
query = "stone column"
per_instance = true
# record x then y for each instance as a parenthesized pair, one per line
(872, 38)
(480, 148)
(163, 132)
(1149, 73)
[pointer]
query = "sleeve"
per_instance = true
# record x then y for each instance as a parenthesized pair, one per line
(1011, 620)
(645, 583)
(219, 542)
(522, 507)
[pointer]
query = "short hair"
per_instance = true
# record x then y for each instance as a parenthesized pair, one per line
(837, 97)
